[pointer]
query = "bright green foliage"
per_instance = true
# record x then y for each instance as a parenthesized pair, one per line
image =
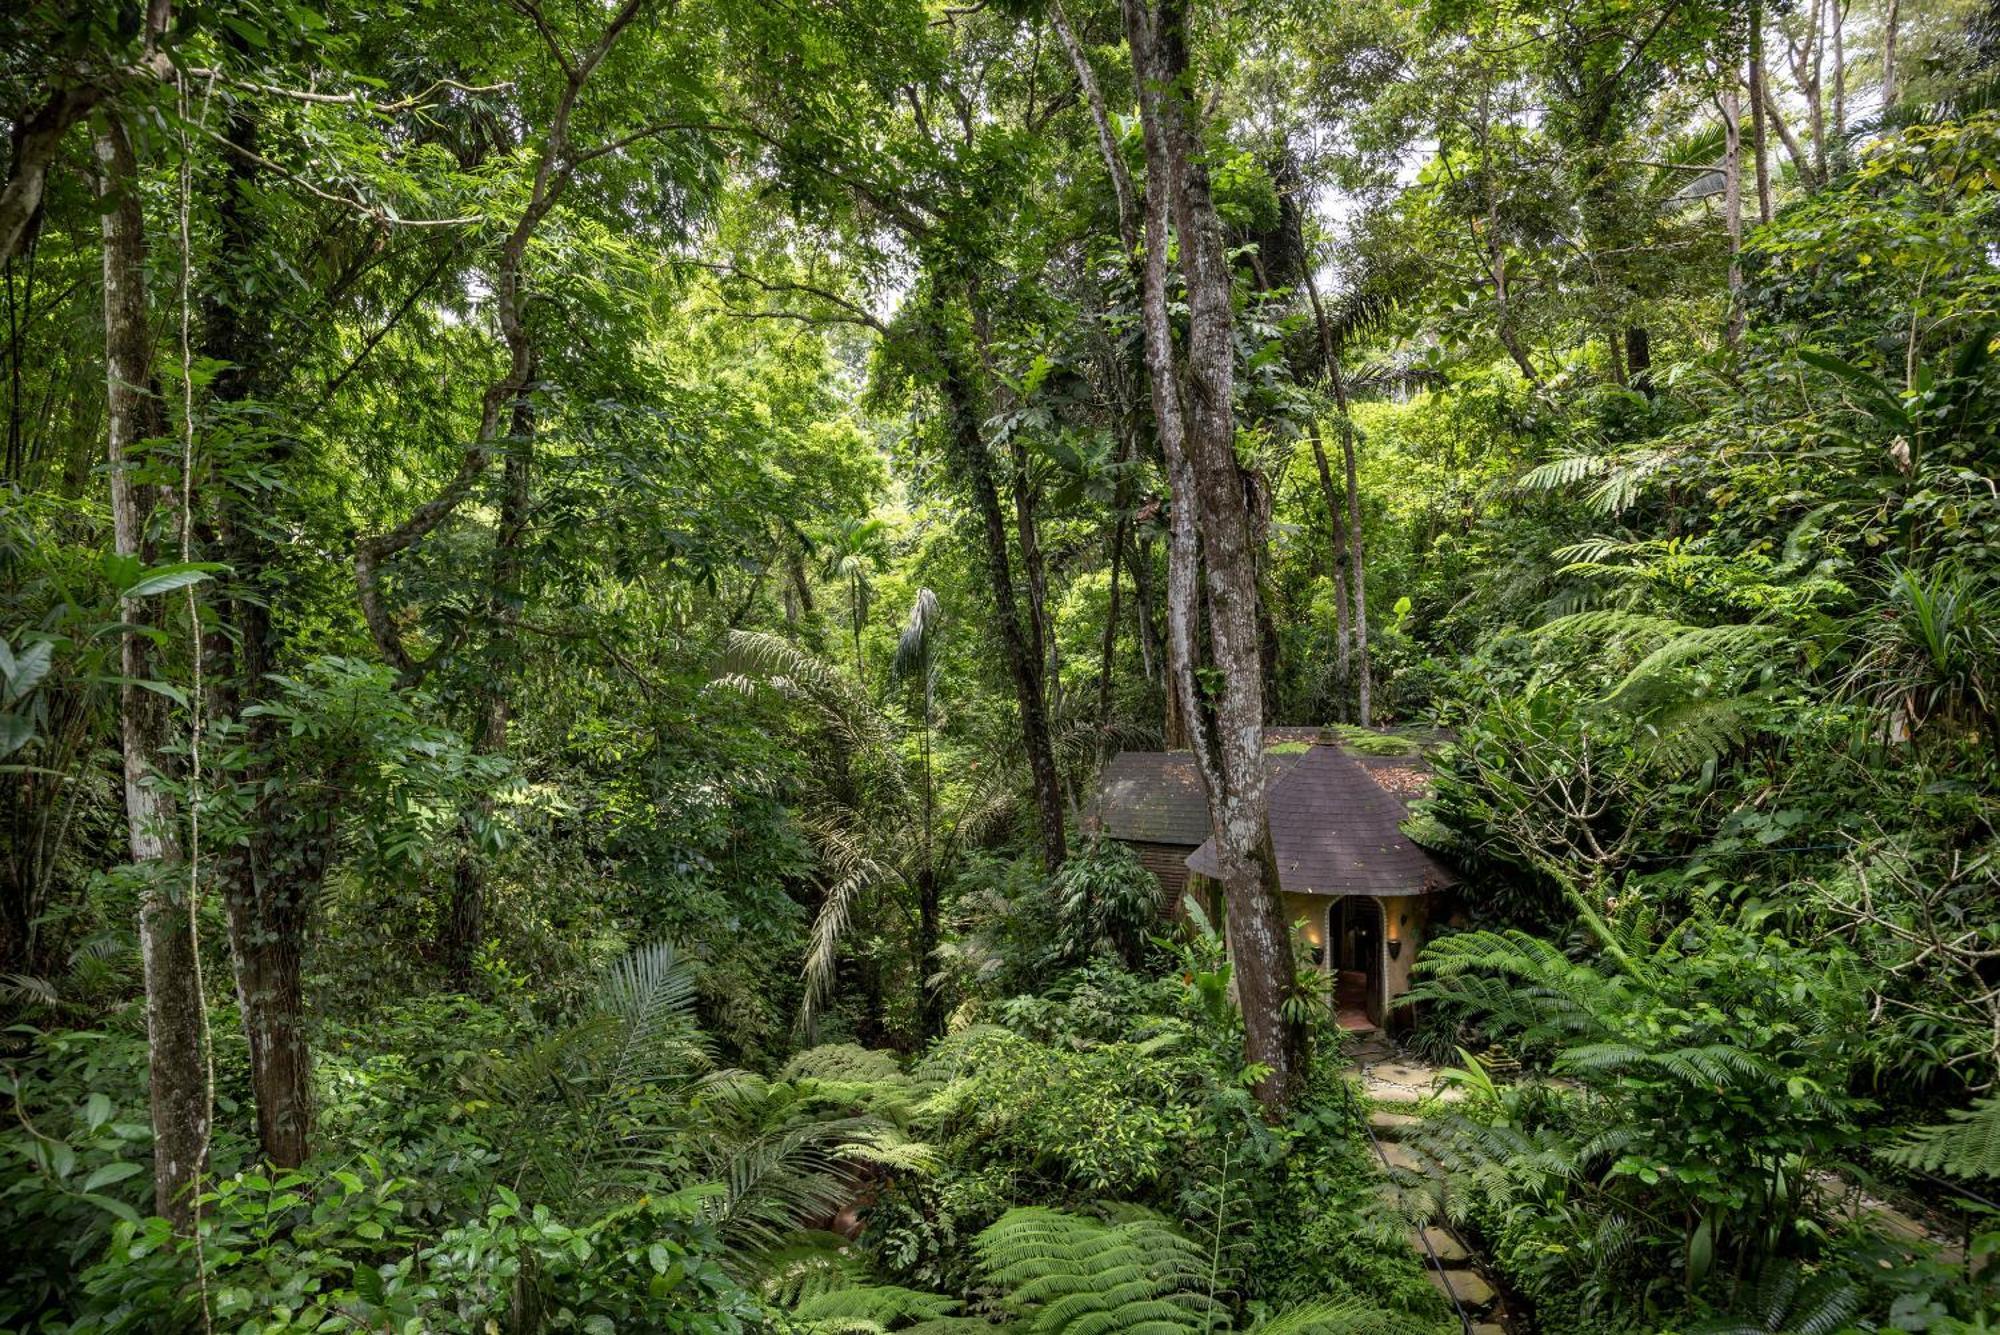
(1066, 1273)
(1967, 1145)
(1711, 1077)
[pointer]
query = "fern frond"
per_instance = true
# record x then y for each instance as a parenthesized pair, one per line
(1346, 1316)
(1071, 1275)
(1966, 1145)
(1567, 471)
(879, 1305)
(1691, 735)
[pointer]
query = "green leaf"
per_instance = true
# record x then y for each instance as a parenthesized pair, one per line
(97, 1110)
(109, 1173)
(113, 1205)
(24, 671)
(166, 580)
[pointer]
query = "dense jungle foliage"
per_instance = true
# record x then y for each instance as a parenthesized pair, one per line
(568, 569)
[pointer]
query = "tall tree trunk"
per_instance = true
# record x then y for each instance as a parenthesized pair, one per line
(465, 917)
(1758, 150)
(1110, 653)
(1201, 453)
(175, 1061)
(1257, 501)
(1892, 91)
(1839, 8)
(1041, 637)
(1343, 670)
(1145, 610)
(958, 383)
(1343, 658)
(1639, 358)
(1732, 196)
(1364, 669)
(271, 875)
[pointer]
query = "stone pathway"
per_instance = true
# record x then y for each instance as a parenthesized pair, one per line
(1390, 1077)
(1394, 1086)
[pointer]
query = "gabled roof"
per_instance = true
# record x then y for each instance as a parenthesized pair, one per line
(1336, 830)
(1155, 797)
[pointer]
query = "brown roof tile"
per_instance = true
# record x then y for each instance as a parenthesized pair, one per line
(1155, 797)
(1336, 830)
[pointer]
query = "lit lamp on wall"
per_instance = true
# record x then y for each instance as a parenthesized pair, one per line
(1311, 930)
(1395, 934)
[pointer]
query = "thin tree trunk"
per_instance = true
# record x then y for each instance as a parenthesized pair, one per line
(1891, 90)
(555, 169)
(1758, 151)
(1364, 670)
(1330, 494)
(1107, 137)
(465, 916)
(1228, 744)
(969, 446)
(1335, 508)
(1110, 627)
(1732, 197)
(1145, 610)
(1041, 637)
(176, 1069)
(1839, 8)
(1802, 163)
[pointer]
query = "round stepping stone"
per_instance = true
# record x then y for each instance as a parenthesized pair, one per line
(1488, 1328)
(1448, 1249)
(1399, 1095)
(1402, 1073)
(1473, 1293)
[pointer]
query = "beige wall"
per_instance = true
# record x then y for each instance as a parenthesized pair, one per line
(1404, 918)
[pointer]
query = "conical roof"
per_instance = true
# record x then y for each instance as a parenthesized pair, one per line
(1336, 831)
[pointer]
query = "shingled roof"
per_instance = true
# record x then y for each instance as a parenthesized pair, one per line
(1337, 831)
(1155, 797)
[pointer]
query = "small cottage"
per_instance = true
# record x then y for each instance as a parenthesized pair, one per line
(1361, 891)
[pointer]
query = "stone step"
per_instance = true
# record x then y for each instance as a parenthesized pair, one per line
(1392, 1124)
(1488, 1328)
(1401, 1159)
(1443, 1245)
(1473, 1293)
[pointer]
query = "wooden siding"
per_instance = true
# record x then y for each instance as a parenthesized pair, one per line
(1168, 863)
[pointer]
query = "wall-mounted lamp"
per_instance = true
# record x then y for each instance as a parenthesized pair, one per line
(1396, 935)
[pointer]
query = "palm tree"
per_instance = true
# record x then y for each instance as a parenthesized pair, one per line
(873, 823)
(853, 551)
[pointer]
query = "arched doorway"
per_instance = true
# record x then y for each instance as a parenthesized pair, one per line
(1354, 956)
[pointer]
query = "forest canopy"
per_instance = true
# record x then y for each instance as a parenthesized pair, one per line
(579, 580)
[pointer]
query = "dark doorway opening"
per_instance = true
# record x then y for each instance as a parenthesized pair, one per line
(1354, 935)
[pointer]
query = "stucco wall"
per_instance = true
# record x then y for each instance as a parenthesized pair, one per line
(1403, 919)
(1309, 910)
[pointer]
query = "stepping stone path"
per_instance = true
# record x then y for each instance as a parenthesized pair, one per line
(1394, 1085)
